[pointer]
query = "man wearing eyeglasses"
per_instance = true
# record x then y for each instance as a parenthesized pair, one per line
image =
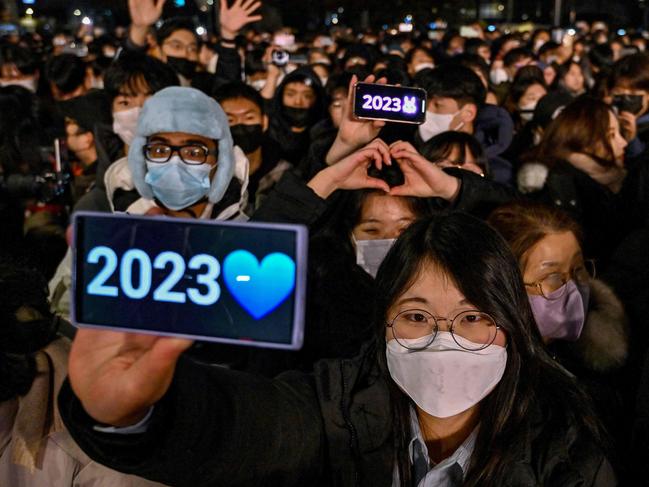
(182, 158)
(178, 44)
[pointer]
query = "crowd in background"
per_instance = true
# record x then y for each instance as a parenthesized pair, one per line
(529, 177)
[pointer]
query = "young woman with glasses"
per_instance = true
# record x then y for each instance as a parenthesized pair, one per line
(456, 389)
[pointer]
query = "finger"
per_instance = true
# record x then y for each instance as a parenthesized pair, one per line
(378, 159)
(166, 349)
(251, 8)
(254, 18)
(378, 124)
(370, 79)
(382, 81)
(377, 183)
(350, 93)
(383, 148)
(245, 4)
(395, 145)
(399, 191)
(160, 5)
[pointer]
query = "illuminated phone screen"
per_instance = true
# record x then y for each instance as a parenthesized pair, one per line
(228, 282)
(390, 103)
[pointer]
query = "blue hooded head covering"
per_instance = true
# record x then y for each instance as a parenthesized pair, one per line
(190, 111)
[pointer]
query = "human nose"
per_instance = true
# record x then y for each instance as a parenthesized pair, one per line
(301, 101)
(443, 324)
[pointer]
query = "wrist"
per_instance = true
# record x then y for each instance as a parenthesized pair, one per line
(322, 185)
(228, 35)
(451, 188)
(338, 150)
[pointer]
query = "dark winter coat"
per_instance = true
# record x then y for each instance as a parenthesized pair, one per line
(332, 427)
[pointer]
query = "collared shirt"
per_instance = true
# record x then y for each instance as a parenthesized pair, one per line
(449, 472)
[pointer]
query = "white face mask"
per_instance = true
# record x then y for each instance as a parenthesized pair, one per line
(527, 111)
(97, 83)
(436, 124)
(498, 75)
(258, 84)
(422, 66)
(370, 253)
(444, 379)
(125, 124)
(29, 84)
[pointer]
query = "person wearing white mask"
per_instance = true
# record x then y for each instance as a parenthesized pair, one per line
(129, 81)
(18, 66)
(418, 59)
(455, 94)
(524, 94)
(455, 389)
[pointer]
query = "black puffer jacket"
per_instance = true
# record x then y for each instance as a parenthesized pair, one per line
(332, 427)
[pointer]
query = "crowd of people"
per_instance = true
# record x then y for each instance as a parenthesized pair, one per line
(477, 284)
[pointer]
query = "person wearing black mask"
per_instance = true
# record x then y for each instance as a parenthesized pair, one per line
(178, 44)
(244, 107)
(298, 104)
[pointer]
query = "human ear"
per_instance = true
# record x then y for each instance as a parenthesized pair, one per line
(468, 113)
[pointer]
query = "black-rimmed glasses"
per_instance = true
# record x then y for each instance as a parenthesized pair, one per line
(192, 154)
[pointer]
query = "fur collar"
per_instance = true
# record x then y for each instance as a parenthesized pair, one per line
(604, 341)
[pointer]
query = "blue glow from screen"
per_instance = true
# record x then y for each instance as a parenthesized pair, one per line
(259, 287)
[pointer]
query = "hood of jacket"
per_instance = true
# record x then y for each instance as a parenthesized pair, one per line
(186, 110)
(279, 125)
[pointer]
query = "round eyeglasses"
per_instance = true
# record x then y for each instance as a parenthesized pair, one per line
(553, 286)
(192, 154)
(476, 327)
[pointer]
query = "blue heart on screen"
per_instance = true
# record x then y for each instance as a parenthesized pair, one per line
(259, 287)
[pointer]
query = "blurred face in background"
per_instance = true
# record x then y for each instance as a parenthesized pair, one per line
(383, 217)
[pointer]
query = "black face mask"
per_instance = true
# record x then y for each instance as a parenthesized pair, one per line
(297, 117)
(248, 137)
(182, 66)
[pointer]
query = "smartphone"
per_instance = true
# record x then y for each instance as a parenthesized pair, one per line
(390, 103)
(229, 282)
(628, 103)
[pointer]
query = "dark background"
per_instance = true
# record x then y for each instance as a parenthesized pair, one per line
(317, 14)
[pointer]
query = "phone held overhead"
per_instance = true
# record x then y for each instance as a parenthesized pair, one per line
(390, 103)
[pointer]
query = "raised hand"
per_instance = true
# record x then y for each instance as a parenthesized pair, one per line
(351, 172)
(117, 376)
(422, 178)
(628, 125)
(145, 12)
(353, 133)
(234, 18)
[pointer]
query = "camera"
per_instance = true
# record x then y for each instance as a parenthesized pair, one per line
(280, 58)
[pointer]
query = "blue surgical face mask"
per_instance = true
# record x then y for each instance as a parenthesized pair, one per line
(178, 185)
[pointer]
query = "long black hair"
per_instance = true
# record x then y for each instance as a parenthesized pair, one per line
(484, 270)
